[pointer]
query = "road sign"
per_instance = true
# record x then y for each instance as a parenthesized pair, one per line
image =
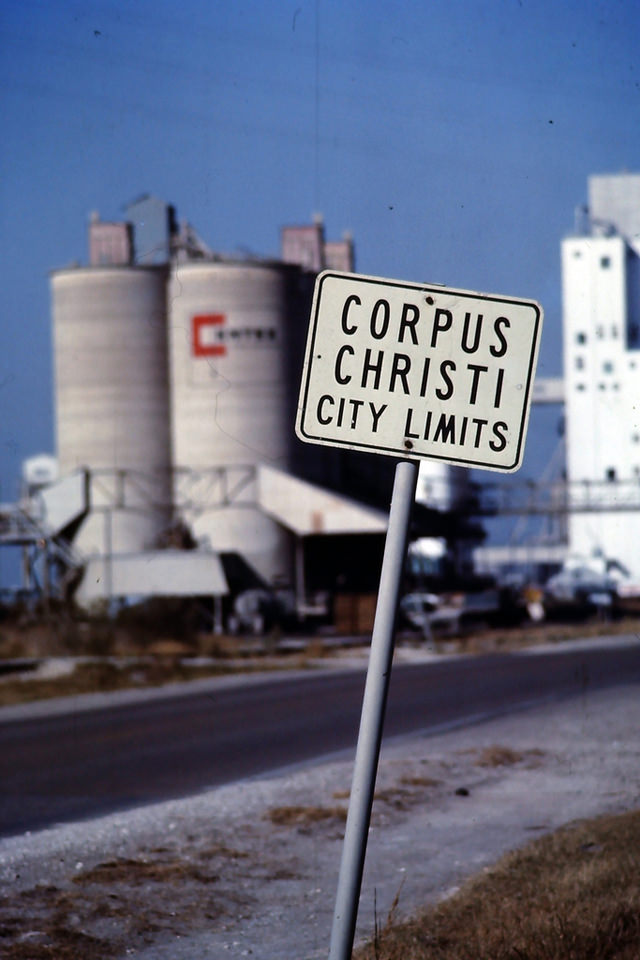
(418, 371)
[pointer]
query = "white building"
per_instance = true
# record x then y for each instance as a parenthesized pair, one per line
(601, 324)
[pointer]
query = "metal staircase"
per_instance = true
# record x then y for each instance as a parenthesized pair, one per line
(51, 565)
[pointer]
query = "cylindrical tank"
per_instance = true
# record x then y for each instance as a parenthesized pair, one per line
(230, 399)
(111, 400)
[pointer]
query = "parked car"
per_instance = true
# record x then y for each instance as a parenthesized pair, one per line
(590, 582)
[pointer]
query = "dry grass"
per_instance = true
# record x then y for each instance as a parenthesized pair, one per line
(554, 632)
(305, 816)
(142, 870)
(409, 792)
(124, 901)
(420, 781)
(133, 659)
(572, 895)
(103, 676)
(499, 756)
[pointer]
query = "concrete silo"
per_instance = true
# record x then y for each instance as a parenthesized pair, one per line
(231, 402)
(112, 403)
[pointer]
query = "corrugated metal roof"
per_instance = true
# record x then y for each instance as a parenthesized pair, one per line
(306, 509)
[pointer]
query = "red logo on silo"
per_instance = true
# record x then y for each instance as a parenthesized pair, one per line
(206, 335)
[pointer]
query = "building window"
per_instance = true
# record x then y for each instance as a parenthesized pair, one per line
(600, 332)
(605, 262)
(635, 438)
(611, 474)
(607, 366)
(579, 363)
(580, 386)
(614, 333)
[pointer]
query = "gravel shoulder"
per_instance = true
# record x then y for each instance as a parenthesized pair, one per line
(250, 869)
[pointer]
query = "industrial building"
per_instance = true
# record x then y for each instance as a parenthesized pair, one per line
(601, 326)
(176, 467)
(595, 500)
(176, 379)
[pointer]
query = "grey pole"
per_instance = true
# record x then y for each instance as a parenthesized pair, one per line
(372, 717)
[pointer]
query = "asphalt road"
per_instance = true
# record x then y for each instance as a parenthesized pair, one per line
(75, 765)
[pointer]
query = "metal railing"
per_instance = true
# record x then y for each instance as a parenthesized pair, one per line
(557, 498)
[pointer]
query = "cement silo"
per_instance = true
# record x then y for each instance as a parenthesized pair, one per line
(231, 402)
(111, 401)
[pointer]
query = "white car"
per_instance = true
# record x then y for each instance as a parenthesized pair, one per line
(595, 581)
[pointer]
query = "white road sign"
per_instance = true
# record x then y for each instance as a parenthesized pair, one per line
(419, 371)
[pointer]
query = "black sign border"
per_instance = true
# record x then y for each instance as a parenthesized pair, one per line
(393, 451)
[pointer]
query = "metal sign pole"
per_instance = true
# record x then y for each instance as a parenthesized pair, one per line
(372, 717)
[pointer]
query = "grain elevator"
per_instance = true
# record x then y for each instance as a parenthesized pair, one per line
(176, 381)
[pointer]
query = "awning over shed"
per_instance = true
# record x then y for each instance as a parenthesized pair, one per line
(306, 509)
(157, 573)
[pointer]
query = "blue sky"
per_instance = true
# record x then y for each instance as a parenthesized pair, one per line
(453, 137)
